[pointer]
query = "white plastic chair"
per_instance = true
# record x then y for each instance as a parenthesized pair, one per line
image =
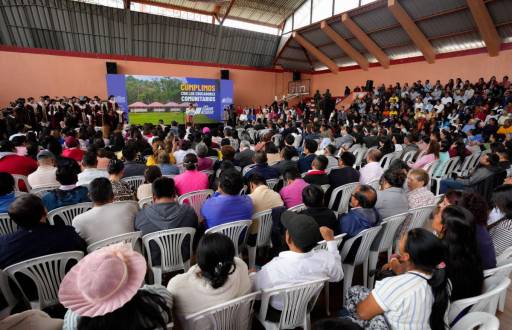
(384, 242)
(145, 202)
(264, 219)
(502, 270)
(169, 242)
(367, 237)
(298, 301)
(231, 315)
(448, 167)
(386, 160)
(243, 191)
(7, 294)
(297, 208)
(486, 302)
(409, 156)
(464, 167)
(325, 187)
(68, 213)
(359, 154)
(47, 273)
(7, 226)
(134, 181)
(234, 230)
(480, 320)
(129, 238)
(418, 217)
(17, 179)
(39, 192)
(272, 183)
(375, 184)
(196, 199)
(346, 193)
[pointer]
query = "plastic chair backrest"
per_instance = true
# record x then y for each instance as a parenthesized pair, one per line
(145, 202)
(134, 181)
(505, 257)
(386, 160)
(390, 226)
(375, 184)
(420, 215)
(346, 192)
(47, 273)
(298, 301)
(169, 242)
(7, 226)
(480, 320)
(499, 273)
(297, 208)
(196, 199)
(359, 154)
(486, 302)
(17, 179)
(449, 167)
(39, 192)
(6, 292)
(231, 315)
(272, 183)
(367, 237)
(322, 245)
(68, 213)
(128, 238)
(409, 156)
(234, 230)
(264, 227)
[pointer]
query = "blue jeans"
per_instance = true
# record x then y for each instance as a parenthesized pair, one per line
(448, 184)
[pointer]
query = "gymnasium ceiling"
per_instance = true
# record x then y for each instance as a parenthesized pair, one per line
(446, 26)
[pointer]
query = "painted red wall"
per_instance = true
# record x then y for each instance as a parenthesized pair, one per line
(27, 74)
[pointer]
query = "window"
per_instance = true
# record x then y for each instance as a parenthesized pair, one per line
(288, 24)
(250, 26)
(341, 6)
(321, 9)
(155, 10)
(365, 2)
(302, 15)
(106, 3)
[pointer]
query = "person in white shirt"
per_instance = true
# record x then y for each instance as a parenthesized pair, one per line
(90, 170)
(300, 263)
(416, 298)
(447, 99)
(185, 149)
(372, 170)
(106, 219)
(44, 176)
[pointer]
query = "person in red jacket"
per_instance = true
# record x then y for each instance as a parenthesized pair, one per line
(12, 163)
(72, 149)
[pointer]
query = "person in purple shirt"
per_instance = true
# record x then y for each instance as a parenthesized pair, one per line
(226, 205)
(292, 192)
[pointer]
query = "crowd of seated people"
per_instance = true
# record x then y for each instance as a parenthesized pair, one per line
(421, 127)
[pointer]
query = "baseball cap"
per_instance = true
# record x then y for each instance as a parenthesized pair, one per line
(303, 229)
(45, 154)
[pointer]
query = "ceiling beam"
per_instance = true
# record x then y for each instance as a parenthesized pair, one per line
(216, 11)
(485, 25)
(412, 30)
(345, 46)
(315, 52)
(231, 3)
(308, 57)
(368, 43)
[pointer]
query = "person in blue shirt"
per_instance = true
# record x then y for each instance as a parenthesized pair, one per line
(7, 194)
(262, 168)
(226, 205)
(305, 161)
(363, 214)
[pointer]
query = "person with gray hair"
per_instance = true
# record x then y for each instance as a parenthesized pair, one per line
(203, 161)
(245, 155)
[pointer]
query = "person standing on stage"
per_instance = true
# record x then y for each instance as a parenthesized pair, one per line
(190, 112)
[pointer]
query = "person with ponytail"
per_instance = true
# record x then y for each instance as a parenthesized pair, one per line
(191, 179)
(217, 277)
(417, 298)
(455, 226)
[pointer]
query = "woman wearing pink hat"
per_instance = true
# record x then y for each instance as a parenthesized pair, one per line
(103, 291)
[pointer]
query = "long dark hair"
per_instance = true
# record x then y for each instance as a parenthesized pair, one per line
(145, 310)
(427, 252)
(216, 258)
(464, 266)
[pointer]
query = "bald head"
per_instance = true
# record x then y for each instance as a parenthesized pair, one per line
(374, 155)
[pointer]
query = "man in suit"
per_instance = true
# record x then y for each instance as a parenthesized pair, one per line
(343, 175)
(305, 161)
(246, 155)
(317, 175)
(286, 162)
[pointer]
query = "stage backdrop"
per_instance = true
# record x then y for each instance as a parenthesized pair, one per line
(146, 99)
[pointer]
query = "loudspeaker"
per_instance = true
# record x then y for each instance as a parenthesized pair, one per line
(296, 75)
(111, 67)
(369, 85)
(224, 74)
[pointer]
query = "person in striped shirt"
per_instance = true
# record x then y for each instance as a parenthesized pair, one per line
(417, 298)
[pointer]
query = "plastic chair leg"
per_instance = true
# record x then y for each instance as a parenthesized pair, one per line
(348, 271)
(373, 257)
(252, 256)
(157, 275)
